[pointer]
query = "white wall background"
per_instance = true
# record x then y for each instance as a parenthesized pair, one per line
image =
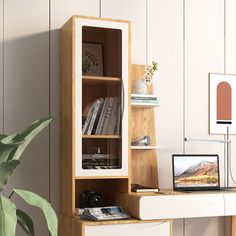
(189, 38)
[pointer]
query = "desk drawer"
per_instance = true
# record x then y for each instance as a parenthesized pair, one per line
(140, 229)
(176, 206)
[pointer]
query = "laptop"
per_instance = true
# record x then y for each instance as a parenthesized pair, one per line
(196, 172)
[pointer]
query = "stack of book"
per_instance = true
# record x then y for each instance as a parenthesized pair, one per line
(103, 117)
(144, 100)
(100, 161)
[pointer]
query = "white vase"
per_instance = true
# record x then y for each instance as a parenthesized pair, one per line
(139, 87)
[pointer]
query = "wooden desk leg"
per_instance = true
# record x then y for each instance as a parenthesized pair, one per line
(233, 225)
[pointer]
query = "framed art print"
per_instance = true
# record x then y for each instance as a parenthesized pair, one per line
(92, 59)
(222, 103)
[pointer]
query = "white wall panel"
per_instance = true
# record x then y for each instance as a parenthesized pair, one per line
(135, 11)
(204, 27)
(204, 54)
(1, 67)
(26, 66)
(165, 40)
(165, 44)
(61, 11)
(231, 61)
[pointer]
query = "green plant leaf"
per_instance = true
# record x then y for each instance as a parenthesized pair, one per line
(7, 217)
(2, 136)
(7, 146)
(25, 222)
(6, 169)
(28, 135)
(35, 200)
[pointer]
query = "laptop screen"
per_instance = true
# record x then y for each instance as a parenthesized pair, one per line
(195, 172)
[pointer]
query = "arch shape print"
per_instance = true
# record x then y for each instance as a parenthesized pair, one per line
(224, 103)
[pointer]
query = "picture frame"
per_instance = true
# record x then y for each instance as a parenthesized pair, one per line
(222, 102)
(92, 59)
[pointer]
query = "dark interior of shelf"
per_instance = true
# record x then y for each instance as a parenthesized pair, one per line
(91, 92)
(111, 41)
(109, 188)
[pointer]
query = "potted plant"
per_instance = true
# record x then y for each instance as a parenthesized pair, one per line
(140, 86)
(11, 149)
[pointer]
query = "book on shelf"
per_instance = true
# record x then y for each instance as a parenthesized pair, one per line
(97, 104)
(118, 123)
(102, 117)
(113, 119)
(144, 98)
(107, 116)
(88, 118)
(143, 189)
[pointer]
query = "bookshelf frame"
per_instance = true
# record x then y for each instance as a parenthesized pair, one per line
(114, 184)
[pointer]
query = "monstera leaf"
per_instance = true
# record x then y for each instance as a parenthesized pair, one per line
(25, 137)
(35, 200)
(25, 222)
(6, 169)
(7, 217)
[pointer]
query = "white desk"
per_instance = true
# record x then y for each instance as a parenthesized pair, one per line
(183, 205)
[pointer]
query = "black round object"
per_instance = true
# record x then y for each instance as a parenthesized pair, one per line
(94, 200)
(90, 199)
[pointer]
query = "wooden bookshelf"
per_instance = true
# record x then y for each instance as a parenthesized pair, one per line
(143, 159)
(77, 93)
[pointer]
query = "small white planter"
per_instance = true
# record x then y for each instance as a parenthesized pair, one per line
(139, 87)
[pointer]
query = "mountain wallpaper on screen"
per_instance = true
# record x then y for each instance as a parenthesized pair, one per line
(201, 173)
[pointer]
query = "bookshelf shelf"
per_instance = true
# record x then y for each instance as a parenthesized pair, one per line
(102, 136)
(145, 147)
(100, 79)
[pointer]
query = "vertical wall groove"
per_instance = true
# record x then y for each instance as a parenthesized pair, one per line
(224, 36)
(146, 31)
(184, 92)
(100, 8)
(49, 91)
(3, 69)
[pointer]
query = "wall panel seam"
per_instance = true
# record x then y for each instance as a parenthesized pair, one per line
(3, 67)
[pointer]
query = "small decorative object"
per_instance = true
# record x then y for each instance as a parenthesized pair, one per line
(11, 149)
(92, 59)
(149, 72)
(222, 97)
(140, 86)
(145, 141)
